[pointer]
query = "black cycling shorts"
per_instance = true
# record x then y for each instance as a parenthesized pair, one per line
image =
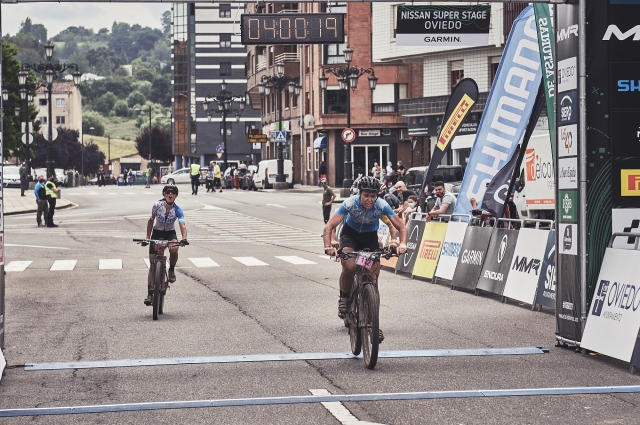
(167, 235)
(356, 240)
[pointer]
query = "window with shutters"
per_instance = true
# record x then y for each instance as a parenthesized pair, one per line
(225, 10)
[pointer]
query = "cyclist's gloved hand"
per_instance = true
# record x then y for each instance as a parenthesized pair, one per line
(144, 243)
(184, 242)
(402, 248)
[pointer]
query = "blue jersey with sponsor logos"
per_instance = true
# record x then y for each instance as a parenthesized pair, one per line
(361, 220)
(164, 220)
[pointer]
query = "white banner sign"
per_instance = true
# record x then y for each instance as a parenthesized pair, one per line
(625, 220)
(526, 265)
(451, 249)
(614, 317)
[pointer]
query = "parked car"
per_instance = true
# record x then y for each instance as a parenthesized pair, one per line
(183, 175)
(11, 176)
(267, 170)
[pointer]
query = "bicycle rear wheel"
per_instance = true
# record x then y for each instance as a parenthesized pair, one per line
(355, 333)
(158, 277)
(370, 329)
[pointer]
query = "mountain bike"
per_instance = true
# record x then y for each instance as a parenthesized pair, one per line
(362, 310)
(159, 272)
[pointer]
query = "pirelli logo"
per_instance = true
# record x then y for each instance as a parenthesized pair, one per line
(630, 182)
(454, 121)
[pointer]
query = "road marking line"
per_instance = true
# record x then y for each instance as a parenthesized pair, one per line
(17, 266)
(36, 246)
(275, 205)
(250, 261)
(204, 262)
(146, 261)
(350, 398)
(111, 193)
(110, 264)
(295, 260)
(64, 265)
(337, 409)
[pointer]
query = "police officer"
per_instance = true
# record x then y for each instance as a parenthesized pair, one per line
(52, 193)
(195, 178)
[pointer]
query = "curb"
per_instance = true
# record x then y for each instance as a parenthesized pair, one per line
(69, 206)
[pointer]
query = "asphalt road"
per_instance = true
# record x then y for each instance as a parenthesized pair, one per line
(91, 313)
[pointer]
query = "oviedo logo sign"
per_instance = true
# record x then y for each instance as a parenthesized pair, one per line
(613, 299)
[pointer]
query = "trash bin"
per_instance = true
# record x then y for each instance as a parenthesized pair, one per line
(70, 180)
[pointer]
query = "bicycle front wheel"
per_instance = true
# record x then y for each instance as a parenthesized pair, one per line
(158, 277)
(355, 333)
(370, 329)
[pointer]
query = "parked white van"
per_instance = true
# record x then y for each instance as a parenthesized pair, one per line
(267, 170)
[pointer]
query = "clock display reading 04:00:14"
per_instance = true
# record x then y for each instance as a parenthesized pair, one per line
(296, 28)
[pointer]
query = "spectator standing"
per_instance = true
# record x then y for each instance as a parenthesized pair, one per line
(391, 174)
(148, 173)
(376, 170)
(131, 181)
(445, 201)
(41, 201)
(327, 199)
(23, 178)
(52, 193)
(76, 175)
(195, 178)
(209, 179)
(322, 172)
(236, 178)
(216, 178)
(400, 171)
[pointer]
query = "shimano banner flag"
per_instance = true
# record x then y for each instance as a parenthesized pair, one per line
(496, 192)
(507, 111)
(464, 95)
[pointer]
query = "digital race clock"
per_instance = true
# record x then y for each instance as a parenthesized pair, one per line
(292, 28)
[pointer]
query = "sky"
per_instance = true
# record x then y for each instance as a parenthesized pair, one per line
(59, 16)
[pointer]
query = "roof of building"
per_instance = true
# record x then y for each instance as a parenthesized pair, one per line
(61, 87)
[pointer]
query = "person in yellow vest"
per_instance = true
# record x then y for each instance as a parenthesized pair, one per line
(53, 193)
(195, 178)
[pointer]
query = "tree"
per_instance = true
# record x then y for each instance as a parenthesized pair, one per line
(121, 108)
(38, 31)
(66, 152)
(160, 144)
(145, 74)
(103, 60)
(11, 124)
(105, 103)
(166, 21)
(136, 98)
(161, 90)
(92, 119)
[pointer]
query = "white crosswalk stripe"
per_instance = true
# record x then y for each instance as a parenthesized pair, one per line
(295, 260)
(204, 262)
(64, 265)
(250, 261)
(110, 264)
(17, 266)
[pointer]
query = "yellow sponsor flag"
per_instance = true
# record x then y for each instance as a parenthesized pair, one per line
(429, 251)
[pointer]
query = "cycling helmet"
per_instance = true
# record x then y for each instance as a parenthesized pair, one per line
(369, 183)
(170, 186)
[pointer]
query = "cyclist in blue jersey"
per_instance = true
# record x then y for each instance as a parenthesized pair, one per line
(361, 215)
(161, 226)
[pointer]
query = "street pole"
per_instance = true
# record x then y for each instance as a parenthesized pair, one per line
(149, 133)
(26, 132)
(348, 177)
(280, 176)
(109, 150)
(82, 156)
(50, 170)
(224, 137)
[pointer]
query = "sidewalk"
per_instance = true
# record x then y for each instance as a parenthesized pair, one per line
(300, 188)
(13, 203)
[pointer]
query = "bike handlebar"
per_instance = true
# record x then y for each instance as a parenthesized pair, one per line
(144, 242)
(380, 252)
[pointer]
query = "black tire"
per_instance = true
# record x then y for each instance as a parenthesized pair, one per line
(370, 329)
(171, 181)
(355, 333)
(158, 277)
(161, 305)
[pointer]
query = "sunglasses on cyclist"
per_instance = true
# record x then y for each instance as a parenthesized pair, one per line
(170, 192)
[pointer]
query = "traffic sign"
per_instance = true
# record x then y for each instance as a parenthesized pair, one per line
(45, 133)
(219, 155)
(24, 139)
(348, 135)
(257, 138)
(220, 148)
(281, 136)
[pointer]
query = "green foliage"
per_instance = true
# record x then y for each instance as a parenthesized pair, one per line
(145, 74)
(92, 119)
(29, 50)
(67, 152)
(105, 103)
(80, 60)
(136, 98)
(38, 31)
(121, 108)
(166, 21)
(160, 144)
(103, 61)
(161, 90)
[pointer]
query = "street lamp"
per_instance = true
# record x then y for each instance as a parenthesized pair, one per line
(224, 107)
(82, 164)
(278, 83)
(140, 110)
(348, 79)
(26, 95)
(50, 72)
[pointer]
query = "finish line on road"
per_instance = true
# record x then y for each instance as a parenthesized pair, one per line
(283, 357)
(265, 401)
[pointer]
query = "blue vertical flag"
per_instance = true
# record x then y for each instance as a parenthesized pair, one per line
(507, 112)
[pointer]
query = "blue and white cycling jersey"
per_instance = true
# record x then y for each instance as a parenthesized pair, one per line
(362, 220)
(166, 221)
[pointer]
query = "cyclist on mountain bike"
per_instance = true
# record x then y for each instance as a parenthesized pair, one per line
(361, 215)
(164, 213)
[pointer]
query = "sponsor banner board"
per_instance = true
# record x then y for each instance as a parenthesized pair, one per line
(429, 249)
(625, 182)
(567, 172)
(495, 269)
(568, 140)
(625, 220)
(568, 239)
(547, 47)
(472, 254)
(415, 230)
(625, 131)
(625, 85)
(567, 74)
(450, 252)
(526, 265)
(568, 108)
(569, 206)
(422, 126)
(443, 25)
(614, 316)
(547, 282)
(506, 112)
(383, 234)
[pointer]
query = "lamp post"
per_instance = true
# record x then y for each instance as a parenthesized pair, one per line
(224, 108)
(348, 79)
(26, 94)
(140, 110)
(82, 164)
(278, 82)
(49, 71)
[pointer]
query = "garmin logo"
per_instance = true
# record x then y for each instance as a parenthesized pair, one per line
(472, 257)
(565, 33)
(521, 265)
(613, 30)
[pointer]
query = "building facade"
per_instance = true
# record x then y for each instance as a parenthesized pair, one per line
(66, 107)
(207, 52)
(317, 118)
